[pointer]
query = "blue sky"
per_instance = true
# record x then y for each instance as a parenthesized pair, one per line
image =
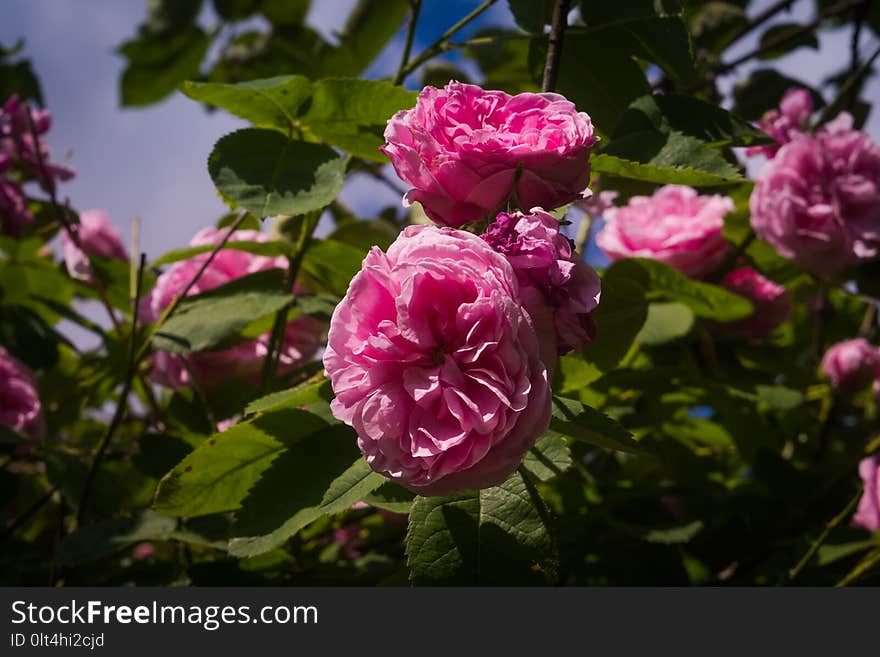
(150, 163)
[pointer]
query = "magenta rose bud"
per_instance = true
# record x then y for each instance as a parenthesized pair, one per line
(675, 225)
(559, 290)
(818, 201)
(784, 124)
(436, 364)
(98, 238)
(867, 515)
(244, 360)
(771, 301)
(851, 365)
(466, 151)
(20, 407)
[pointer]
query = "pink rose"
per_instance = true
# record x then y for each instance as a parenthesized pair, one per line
(17, 140)
(818, 201)
(559, 290)
(675, 226)
(98, 237)
(784, 124)
(436, 365)
(20, 407)
(851, 365)
(143, 551)
(466, 151)
(867, 516)
(771, 301)
(244, 360)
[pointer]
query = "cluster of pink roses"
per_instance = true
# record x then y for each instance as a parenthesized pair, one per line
(785, 123)
(440, 353)
(301, 338)
(20, 160)
(683, 229)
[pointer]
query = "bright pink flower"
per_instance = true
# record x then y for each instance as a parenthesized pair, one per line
(851, 365)
(20, 406)
(244, 360)
(867, 515)
(14, 213)
(818, 201)
(17, 141)
(98, 237)
(784, 124)
(466, 151)
(436, 365)
(771, 301)
(559, 290)
(675, 226)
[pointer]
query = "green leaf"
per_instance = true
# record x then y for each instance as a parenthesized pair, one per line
(495, 536)
(786, 32)
(206, 320)
(219, 474)
(293, 492)
(350, 487)
(675, 535)
(301, 395)
(669, 157)
(369, 27)
(532, 15)
(270, 249)
(573, 419)
(596, 13)
(94, 542)
(158, 63)
(705, 300)
(779, 398)
(828, 554)
(269, 103)
(268, 174)
(332, 264)
(665, 322)
(391, 497)
(667, 113)
(548, 457)
(619, 318)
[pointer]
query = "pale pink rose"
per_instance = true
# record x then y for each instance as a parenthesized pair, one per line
(467, 151)
(559, 290)
(436, 365)
(20, 406)
(244, 360)
(675, 225)
(867, 515)
(786, 123)
(771, 301)
(818, 201)
(98, 237)
(851, 365)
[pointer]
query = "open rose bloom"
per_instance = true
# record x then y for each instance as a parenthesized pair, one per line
(98, 237)
(436, 364)
(245, 359)
(20, 407)
(559, 290)
(467, 151)
(675, 225)
(817, 202)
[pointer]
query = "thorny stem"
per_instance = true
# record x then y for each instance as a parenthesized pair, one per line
(122, 404)
(554, 44)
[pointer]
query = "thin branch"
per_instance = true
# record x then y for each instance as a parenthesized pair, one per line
(25, 515)
(554, 44)
(441, 44)
(761, 18)
(175, 302)
(829, 526)
(122, 403)
(861, 13)
(415, 8)
(837, 104)
(782, 39)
